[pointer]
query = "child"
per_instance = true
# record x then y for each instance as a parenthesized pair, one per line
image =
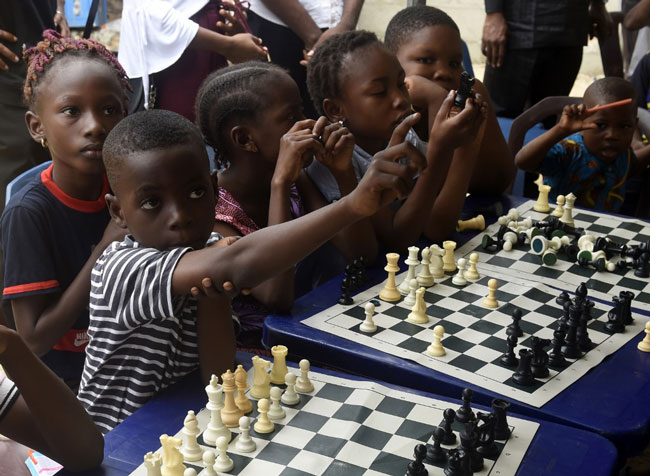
(146, 330)
(589, 154)
(38, 410)
(76, 93)
(354, 78)
(427, 43)
(266, 142)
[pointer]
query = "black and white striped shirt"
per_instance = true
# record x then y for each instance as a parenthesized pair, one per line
(142, 338)
(8, 394)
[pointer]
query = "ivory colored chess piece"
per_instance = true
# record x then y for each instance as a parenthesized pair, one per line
(208, 462)
(230, 413)
(476, 223)
(290, 397)
(261, 379)
(539, 181)
(241, 381)
(153, 463)
(459, 279)
(390, 292)
(436, 349)
(223, 463)
(189, 472)
(559, 209)
(303, 384)
(191, 449)
(435, 256)
(412, 261)
(644, 345)
(368, 325)
(172, 458)
(541, 205)
(215, 428)
(410, 299)
(448, 262)
(491, 300)
(567, 217)
(245, 443)
(418, 314)
(276, 412)
(263, 424)
(472, 272)
(279, 370)
(424, 276)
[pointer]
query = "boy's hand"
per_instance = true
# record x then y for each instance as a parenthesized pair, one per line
(297, 148)
(338, 144)
(207, 289)
(388, 176)
(452, 128)
(575, 119)
(423, 92)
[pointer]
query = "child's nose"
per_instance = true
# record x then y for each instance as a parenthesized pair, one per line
(179, 217)
(93, 125)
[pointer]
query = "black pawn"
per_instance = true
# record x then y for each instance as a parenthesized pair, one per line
(562, 298)
(539, 363)
(556, 359)
(509, 359)
(514, 327)
(468, 440)
(435, 454)
(501, 428)
(450, 437)
(524, 373)
(489, 242)
(581, 294)
(465, 413)
(416, 467)
(345, 298)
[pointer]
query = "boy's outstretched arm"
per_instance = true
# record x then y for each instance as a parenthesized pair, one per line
(215, 336)
(47, 416)
(260, 255)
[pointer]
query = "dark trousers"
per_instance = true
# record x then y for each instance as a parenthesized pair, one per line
(285, 48)
(529, 75)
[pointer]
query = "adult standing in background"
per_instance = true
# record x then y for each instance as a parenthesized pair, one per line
(292, 29)
(533, 48)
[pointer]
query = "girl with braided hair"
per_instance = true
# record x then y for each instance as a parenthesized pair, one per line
(55, 227)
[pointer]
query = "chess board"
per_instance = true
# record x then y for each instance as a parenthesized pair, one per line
(475, 336)
(564, 274)
(351, 427)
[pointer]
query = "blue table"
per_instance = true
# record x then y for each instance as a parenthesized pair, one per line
(612, 399)
(555, 449)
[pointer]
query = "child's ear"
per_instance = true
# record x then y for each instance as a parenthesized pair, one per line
(334, 111)
(115, 209)
(242, 139)
(34, 126)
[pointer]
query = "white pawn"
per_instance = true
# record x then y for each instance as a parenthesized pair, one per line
(412, 261)
(245, 443)
(559, 210)
(224, 463)
(509, 240)
(424, 276)
(303, 384)
(491, 300)
(644, 345)
(435, 256)
(290, 397)
(472, 272)
(191, 449)
(263, 425)
(208, 461)
(459, 279)
(276, 412)
(189, 472)
(410, 299)
(368, 325)
(436, 349)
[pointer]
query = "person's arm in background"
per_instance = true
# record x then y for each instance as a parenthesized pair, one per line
(602, 25)
(638, 16)
(59, 18)
(495, 32)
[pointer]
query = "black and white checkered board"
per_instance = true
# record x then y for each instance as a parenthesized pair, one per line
(349, 427)
(564, 274)
(475, 336)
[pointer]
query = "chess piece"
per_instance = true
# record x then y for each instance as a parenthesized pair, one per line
(244, 443)
(501, 428)
(435, 454)
(303, 384)
(486, 436)
(540, 360)
(644, 345)
(390, 292)
(172, 458)
(230, 413)
(263, 425)
(189, 472)
(435, 257)
(570, 349)
(242, 401)
(290, 397)
(567, 218)
(556, 359)
(368, 326)
(559, 210)
(153, 463)
(465, 413)
(539, 181)
(346, 286)
(509, 359)
(459, 279)
(223, 463)
(424, 277)
(279, 370)
(412, 262)
(415, 467)
(409, 300)
(261, 379)
(491, 300)
(448, 262)
(276, 412)
(514, 328)
(541, 205)
(472, 273)
(449, 416)
(215, 428)
(510, 239)
(191, 450)
(524, 373)
(468, 440)
(418, 314)
(456, 463)
(476, 223)
(436, 349)
(208, 462)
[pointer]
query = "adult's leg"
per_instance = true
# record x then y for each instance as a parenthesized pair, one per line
(509, 85)
(555, 72)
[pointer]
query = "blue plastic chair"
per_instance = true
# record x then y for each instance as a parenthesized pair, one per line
(23, 179)
(467, 60)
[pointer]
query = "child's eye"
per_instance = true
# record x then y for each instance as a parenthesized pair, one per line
(425, 60)
(454, 64)
(378, 93)
(601, 125)
(110, 110)
(197, 193)
(149, 203)
(69, 111)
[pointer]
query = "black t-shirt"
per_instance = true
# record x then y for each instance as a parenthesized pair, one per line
(26, 19)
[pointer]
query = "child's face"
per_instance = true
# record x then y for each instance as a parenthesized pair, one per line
(374, 99)
(614, 133)
(436, 53)
(166, 197)
(76, 108)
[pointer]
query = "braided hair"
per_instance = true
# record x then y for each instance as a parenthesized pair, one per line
(228, 94)
(411, 20)
(325, 70)
(40, 58)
